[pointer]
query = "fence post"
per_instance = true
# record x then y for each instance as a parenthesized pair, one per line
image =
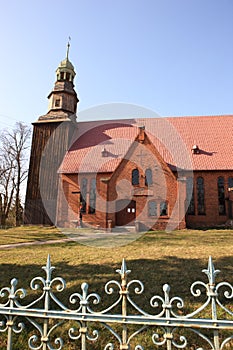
(84, 303)
(167, 307)
(211, 292)
(10, 321)
(124, 292)
(47, 287)
(9, 334)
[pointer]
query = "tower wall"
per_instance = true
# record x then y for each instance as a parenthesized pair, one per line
(49, 145)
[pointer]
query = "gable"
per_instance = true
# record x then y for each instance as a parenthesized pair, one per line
(141, 157)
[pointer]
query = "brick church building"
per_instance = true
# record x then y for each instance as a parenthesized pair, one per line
(159, 173)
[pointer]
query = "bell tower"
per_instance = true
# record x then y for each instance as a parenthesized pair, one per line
(63, 98)
(52, 134)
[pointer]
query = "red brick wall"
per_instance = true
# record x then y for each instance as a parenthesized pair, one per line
(165, 187)
(211, 217)
(68, 200)
(107, 196)
(142, 155)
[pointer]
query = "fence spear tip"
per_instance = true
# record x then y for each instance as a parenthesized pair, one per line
(123, 270)
(210, 271)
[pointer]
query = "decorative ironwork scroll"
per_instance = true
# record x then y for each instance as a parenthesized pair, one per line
(46, 313)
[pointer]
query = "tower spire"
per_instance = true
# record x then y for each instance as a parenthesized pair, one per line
(63, 98)
(68, 48)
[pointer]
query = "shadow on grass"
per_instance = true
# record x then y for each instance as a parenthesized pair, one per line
(178, 273)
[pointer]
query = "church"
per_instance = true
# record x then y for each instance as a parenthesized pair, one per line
(150, 173)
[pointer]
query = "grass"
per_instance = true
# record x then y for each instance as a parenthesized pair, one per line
(156, 258)
(28, 234)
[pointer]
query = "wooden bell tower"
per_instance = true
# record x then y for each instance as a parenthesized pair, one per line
(52, 134)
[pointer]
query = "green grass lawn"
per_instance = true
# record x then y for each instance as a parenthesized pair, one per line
(176, 258)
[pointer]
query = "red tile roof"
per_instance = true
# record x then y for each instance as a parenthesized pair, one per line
(174, 137)
(214, 137)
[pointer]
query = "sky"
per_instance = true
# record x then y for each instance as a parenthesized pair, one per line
(174, 57)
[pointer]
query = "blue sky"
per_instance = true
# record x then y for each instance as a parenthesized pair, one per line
(172, 56)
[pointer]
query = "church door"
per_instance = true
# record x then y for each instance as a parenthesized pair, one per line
(125, 212)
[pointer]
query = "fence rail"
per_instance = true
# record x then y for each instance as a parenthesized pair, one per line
(46, 314)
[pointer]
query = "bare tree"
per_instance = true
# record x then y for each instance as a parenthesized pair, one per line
(7, 188)
(13, 170)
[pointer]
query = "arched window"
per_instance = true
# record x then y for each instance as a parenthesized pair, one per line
(152, 208)
(221, 196)
(200, 196)
(190, 205)
(83, 195)
(92, 197)
(135, 177)
(148, 177)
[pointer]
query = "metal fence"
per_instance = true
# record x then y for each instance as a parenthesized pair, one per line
(124, 324)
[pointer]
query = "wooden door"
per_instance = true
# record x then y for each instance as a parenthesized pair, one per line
(125, 212)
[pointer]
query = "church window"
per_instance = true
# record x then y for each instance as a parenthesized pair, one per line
(62, 75)
(230, 182)
(152, 208)
(163, 208)
(148, 177)
(83, 195)
(190, 197)
(200, 196)
(135, 177)
(68, 76)
(221, 196)
(57, 102)
(92, 197)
